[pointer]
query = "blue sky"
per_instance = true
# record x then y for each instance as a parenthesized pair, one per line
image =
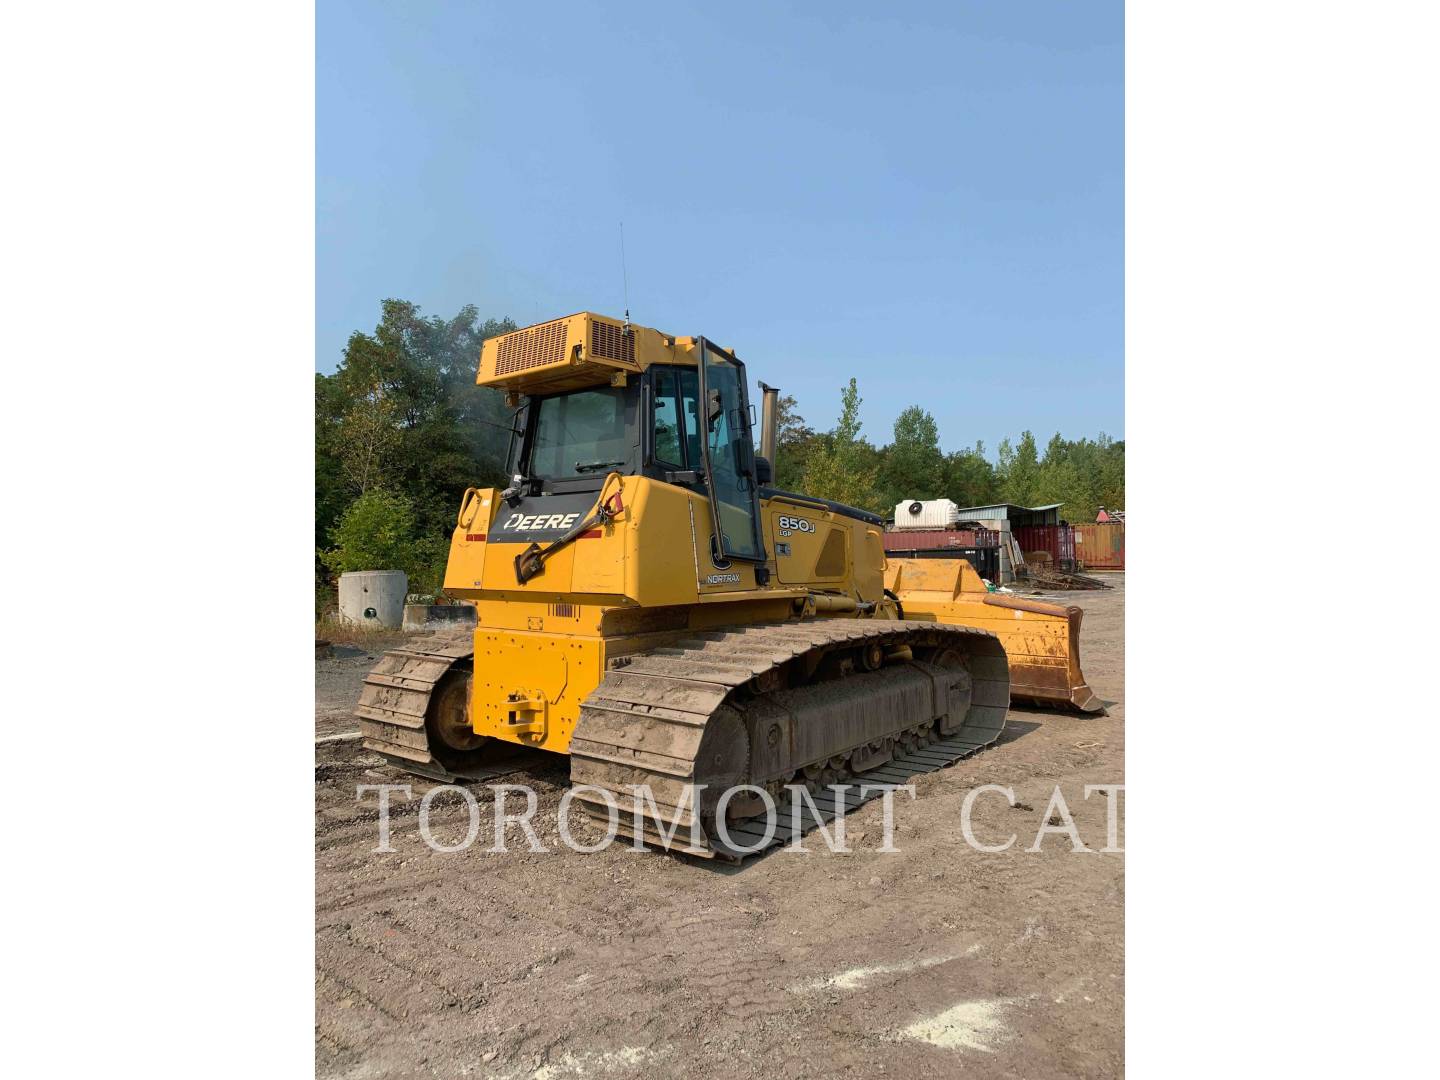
(928, 197)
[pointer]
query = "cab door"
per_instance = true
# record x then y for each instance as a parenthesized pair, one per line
(728, 450)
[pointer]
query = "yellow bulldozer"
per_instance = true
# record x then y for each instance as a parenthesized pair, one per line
(650, 605)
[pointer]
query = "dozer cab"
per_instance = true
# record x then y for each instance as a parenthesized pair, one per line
(648, 604)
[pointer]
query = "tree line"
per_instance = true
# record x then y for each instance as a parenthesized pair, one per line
(1080, 474)
(401, 430)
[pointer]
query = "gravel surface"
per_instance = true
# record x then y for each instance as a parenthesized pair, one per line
(932, 961)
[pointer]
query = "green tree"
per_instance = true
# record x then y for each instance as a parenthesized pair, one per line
(1063, 478)
(1080, 474)
(841, 465)
(793, 439)
(376, 532)
(371, 437)
(970, 478)
(332, 493)
(1110, 475)
(379, 531)
(1018, 470)
(912, 467)
(403, 412)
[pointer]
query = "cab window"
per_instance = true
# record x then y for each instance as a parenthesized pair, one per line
(667, 419)
(676, 426)
(690, 406)
(579, 434)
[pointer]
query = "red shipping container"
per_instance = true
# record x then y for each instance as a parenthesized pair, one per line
(902, 540)
(1058, 540)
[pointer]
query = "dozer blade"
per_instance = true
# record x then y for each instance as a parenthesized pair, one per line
(1042, 641)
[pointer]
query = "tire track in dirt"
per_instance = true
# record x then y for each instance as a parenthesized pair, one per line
(396, 944)
(509, 964)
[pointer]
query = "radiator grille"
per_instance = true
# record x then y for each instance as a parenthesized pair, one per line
(531, 348)
(611, 341)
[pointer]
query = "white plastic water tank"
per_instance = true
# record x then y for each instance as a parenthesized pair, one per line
(926, 514)
(373, 597)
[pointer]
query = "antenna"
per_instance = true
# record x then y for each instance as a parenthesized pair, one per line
(624, 277)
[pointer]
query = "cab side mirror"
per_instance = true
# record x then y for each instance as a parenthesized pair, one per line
(764, 474)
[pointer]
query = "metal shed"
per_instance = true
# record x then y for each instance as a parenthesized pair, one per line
(1041, 525)
(1016, 515)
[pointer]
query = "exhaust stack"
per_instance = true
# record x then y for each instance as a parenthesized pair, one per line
(769, 422)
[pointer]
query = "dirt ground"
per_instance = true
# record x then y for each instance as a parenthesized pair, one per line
(935, 960)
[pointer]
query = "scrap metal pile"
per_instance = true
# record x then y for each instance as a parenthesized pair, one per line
(1049, 578)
